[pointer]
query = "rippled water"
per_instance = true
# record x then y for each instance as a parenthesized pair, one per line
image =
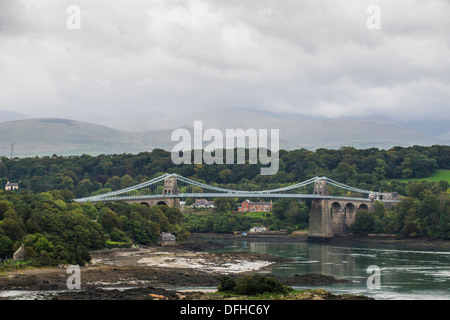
(404, 274)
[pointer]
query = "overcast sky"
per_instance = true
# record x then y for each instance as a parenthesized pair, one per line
(134, 58)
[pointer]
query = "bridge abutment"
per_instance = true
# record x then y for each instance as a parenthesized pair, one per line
(330, 217)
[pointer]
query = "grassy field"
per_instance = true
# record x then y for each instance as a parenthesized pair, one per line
(437, 176)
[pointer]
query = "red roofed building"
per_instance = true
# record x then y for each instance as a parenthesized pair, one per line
(249, 206)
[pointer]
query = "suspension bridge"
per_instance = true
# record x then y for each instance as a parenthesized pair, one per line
(333, 207)
(174, 186)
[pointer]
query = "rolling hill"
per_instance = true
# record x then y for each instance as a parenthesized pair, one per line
(298, 131)
(63, 137)
(68, 137)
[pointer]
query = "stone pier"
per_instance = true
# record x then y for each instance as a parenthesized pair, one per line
(331, 217)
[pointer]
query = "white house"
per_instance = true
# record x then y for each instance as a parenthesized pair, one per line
(11, 186)
(258, 229)
(203, 203)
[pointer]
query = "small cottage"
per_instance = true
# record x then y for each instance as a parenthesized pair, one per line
(167, 239)
(11, 186)
(19, 255)
(257, 229)
(203, 203)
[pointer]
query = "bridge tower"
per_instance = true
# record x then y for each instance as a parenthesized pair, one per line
(170, 189)
(320, 225)
(168, 195)
(320, 187)
(170, 186)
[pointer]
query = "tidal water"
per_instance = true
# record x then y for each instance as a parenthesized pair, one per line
(404, 274)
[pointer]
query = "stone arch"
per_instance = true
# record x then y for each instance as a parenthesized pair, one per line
(161, 203)
(145, 204)
(335, 207)
(363, 206)
(349, 207)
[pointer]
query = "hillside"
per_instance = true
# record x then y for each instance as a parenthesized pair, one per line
(67, 137)
(63, 137)
(298, 131)
(439, 175)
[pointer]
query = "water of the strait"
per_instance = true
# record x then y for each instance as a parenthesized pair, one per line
(403, 273)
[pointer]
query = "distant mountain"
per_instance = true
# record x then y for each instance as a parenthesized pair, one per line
(12, 116)
(67, 137)
(64, 137)
(298, 131)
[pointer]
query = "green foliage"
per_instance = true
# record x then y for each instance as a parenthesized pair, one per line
(292, 212)
(424, 213)
(251, 285)
(87, 175)
(174, 216)
(55, 231)
(217, 222)
(227, 284)
(224, 204)
(364, 222)
(258, 284)
(6, 247)
(118, 244)
(108, 219)
(118, 235)
(437, 176)
(44, 203)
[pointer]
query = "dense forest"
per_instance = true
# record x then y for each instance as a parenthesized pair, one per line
(55, 230)
(86, 175)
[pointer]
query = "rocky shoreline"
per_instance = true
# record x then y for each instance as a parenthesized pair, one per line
(170, 273)
(150, 273)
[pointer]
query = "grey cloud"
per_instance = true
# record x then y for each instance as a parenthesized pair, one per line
(307, 57)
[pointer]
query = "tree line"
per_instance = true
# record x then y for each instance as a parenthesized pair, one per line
(90, 175)
(424, 212)
(57, 231)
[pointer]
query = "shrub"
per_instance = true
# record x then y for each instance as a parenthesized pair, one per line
(6, 247)
(227, 284)
(258, 284)
(364, 222)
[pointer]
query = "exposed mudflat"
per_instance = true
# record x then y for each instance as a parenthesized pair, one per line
(146, 273)
(168, 273)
